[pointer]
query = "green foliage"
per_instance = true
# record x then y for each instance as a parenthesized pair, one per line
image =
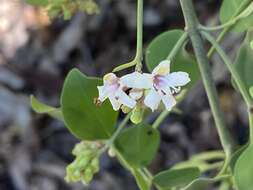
(162, 45)
(66, 8)
(236, 155)
(137, 114)
(176, 177)
(42, 108)
(251, 91)
(244, 170)
(243, 62)
(86, 163)
(85, 120)
(38, 2)
(200, 184)
(142, 181)
(138, 144)
(229, 10)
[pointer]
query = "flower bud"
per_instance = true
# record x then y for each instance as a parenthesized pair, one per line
(86, 163)
(137, 114)
(125, 109)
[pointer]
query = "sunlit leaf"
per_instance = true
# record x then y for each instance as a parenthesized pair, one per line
(161, 46)
(236, 155)
(83, 118)
(251, 91)
(176, 177)
(243, 63)
(243, 170)
(42, 108)
(228, 10)
(138, 144)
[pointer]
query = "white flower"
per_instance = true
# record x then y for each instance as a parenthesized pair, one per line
(113, 90)
(161, 85)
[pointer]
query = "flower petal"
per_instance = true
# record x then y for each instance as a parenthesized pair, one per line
(124, 99)
(152, 100)
(115, 103)
(110, 78)
(136, 94)
(162, 69)
(137, 80)
(178, 78)
(103, 93)
(169, 101)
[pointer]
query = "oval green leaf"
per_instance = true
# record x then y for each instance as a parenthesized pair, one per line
(82, 117)
(243, 63)
(42, 108)
(243, 171)
(138, 145)
(176, 177)
(251, 91)
(236, 155)
(160, 48)
(228, 11)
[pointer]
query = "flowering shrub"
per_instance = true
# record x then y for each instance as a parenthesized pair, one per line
(90, 106)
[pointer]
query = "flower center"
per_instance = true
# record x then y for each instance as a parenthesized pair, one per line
(159, 82)
(113, 87)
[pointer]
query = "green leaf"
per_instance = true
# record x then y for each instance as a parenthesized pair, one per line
(243, 171)
(243, 62)
(228, 10)
(176, 177)
(200, 184)
(83, 118)
(236, 155)
(251, 91)
(38, 2)
(142, 182)
(138, 145)
(160, 48)
(42, 108)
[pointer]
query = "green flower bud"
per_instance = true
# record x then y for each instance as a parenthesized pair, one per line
(137, 114)
(86, 163)
(125, 109)
(111, 152)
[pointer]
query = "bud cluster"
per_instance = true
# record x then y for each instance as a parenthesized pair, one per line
(67, 8)
(86, 163)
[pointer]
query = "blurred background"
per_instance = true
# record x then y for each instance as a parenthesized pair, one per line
(35, 56)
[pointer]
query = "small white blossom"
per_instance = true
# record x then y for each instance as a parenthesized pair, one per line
(161, 85)
(113, 90)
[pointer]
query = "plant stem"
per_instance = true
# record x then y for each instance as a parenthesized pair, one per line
(160, 119)
(139, 42)
(219, 39)
(205, 70)
(139, 36)
(232, 21)
(236, 76)
(116, 133)
(209, 156)
(244, 4)
(177, 46)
